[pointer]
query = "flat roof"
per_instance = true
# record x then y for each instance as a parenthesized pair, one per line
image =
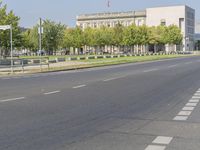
(111, 15)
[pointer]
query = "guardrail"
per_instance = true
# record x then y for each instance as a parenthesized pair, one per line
(20, 64)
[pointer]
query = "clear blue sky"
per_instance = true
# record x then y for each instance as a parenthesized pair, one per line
(65, 11)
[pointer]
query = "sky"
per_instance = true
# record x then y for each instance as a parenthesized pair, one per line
(65, 11)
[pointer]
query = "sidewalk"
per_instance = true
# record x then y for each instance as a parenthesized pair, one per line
(6, 70)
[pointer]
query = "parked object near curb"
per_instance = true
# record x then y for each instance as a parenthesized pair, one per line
(60, 59)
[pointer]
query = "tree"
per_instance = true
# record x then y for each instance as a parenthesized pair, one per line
(118, 33)
(173, 35)
(74, 38)
(52, 36)
(9, 19)
(131, 36)
(30, 39)
(157, 37)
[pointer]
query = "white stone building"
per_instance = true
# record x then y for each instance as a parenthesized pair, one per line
(182, 16)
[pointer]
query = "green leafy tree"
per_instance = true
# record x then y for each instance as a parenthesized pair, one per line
(173, 35)
(52, 36)
(30, 39)
(117, 35)
(9, 18)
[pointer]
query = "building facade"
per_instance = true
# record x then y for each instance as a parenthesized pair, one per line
(182, 16)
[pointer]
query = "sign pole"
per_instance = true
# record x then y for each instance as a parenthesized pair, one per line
(40, 42)
(11, 48)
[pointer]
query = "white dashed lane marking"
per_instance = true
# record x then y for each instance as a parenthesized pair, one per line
(162, 140)
(188, 108)
(145, 71)
(12, 99)
(194, 101)
(53, 92)
(155, 147)
(184, 113)
(79, 86)
(196, 97)
(188, 63)
(159, 143)
(172, 66)
(180, 118)
(106, 80)
(191, 104)
(197, 94)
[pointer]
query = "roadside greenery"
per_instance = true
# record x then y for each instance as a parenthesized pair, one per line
(57, 36)
(8, 18)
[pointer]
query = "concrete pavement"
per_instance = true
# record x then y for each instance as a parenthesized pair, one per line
(125, 107)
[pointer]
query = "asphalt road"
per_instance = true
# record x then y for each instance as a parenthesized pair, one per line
(144, 106)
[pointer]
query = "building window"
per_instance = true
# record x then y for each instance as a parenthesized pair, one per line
(81, 26)
(190, 30)
(181, 23)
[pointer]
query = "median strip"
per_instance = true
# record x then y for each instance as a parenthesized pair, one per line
(12, 99)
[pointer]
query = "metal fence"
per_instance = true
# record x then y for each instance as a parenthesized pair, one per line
(20, 64)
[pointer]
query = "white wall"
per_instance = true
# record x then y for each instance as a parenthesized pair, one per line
(171, 15)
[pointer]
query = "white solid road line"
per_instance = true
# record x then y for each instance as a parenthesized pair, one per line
(12, 99)
(79, 86)
(53, 92)
(150, 70)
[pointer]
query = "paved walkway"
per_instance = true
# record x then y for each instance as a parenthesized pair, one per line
(34, 68)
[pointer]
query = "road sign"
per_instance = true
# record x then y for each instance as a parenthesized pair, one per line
(5, 27)
(40, 30)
